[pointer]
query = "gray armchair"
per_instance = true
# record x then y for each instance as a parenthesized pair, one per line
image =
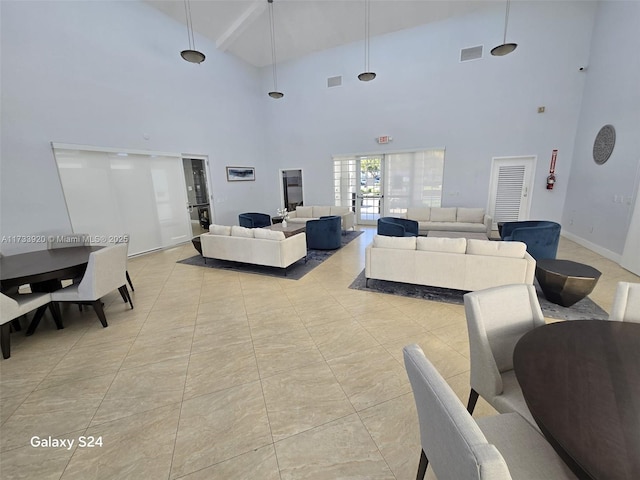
(498, 447)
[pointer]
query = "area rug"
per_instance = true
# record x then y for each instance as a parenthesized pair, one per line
(294, 272)
(585, 309)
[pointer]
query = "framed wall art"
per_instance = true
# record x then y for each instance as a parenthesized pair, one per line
(241, 174)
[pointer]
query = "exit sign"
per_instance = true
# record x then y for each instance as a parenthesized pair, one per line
(384, 139)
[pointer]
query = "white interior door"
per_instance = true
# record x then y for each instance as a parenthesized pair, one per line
(510, 187)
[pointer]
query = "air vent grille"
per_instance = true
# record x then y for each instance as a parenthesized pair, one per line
(334, 81)
(471, 53)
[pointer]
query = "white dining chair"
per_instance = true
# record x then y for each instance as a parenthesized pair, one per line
(105, 273)
(498, 447)
(497, 318)
(13, 307)
(626, 303)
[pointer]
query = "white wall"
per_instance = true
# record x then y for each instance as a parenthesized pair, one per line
(108, 74)
(611, 96)
(424, 97)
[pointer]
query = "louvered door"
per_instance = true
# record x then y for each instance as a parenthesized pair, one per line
(509, 194)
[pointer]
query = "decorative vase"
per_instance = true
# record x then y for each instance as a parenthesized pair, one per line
(284, 222)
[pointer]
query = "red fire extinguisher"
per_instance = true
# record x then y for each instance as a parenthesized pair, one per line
(551, 179)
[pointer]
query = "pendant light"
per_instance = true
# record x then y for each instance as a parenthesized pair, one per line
(191, 55)
(367, 75)
(275, 94)
(505, 48)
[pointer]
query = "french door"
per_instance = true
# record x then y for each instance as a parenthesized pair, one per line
(369, 206)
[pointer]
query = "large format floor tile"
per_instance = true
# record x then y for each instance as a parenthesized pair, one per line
(217, 374)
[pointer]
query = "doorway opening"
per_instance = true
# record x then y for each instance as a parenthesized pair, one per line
(292, 191)
(198, 203)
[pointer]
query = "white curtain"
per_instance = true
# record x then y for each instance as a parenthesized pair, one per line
(110, 193)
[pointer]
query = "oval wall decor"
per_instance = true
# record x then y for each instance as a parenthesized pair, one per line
(603, 144)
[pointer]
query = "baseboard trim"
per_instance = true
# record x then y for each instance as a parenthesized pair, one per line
(615, 257)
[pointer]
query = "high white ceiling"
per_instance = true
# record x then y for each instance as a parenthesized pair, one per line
(241, 27)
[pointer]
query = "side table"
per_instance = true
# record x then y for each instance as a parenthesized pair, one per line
(197, 244)
(565, 282)
(277, 219)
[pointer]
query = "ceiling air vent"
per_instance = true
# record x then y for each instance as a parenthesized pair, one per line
(334, 81)
(471, 53)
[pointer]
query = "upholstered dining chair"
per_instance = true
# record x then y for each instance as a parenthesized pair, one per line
(397, 227)
(254, 220)
(497, 318)
(626, 303)
(498, 447)
(105, 273)
(14, 307)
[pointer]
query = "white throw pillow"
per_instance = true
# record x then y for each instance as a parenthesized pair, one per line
(238, 231)
(219, 229)
(419, 214)
(321, 212)
(440, 214)
(400, 243)
(441, 244)
(470, 215)
(496, 249)
(267, 234)
(304, 212)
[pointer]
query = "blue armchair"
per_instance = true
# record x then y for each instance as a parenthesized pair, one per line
(324, 233)
(397, 227)
(541, 236)
(254, 220)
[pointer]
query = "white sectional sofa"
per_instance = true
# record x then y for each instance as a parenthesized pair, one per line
(304, 214)
(259, 246)
(459, 263)
(453, 219)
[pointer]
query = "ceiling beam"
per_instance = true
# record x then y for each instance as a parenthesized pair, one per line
(241, 23)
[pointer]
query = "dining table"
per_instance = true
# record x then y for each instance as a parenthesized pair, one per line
(43, 270)
(581, 382)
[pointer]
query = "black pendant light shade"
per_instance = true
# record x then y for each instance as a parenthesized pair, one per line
(191, 54)
(505, 48)
(367, 75)
(275, 94)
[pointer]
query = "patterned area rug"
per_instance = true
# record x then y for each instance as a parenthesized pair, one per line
(585, 309)
(294, 272)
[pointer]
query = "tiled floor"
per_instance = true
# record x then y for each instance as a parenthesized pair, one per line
(220, 375)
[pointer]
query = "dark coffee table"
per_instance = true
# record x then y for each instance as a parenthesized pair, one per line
(565, 282)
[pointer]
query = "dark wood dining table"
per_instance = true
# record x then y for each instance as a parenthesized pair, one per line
(44, 270)
(581, 382)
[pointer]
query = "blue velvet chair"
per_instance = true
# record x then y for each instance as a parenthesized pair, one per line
(324, 233)
(254, 220)
(541, 236)
(397, 227)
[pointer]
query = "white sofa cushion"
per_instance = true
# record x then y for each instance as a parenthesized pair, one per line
(496, 249)
(267, 234)
(470, 215)
(238, 231)
(446, 245)
(421, 214)
(399, 243)
(219, 229)
(339, 210)
(304, 212)
(321, 211)
(440, 214)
